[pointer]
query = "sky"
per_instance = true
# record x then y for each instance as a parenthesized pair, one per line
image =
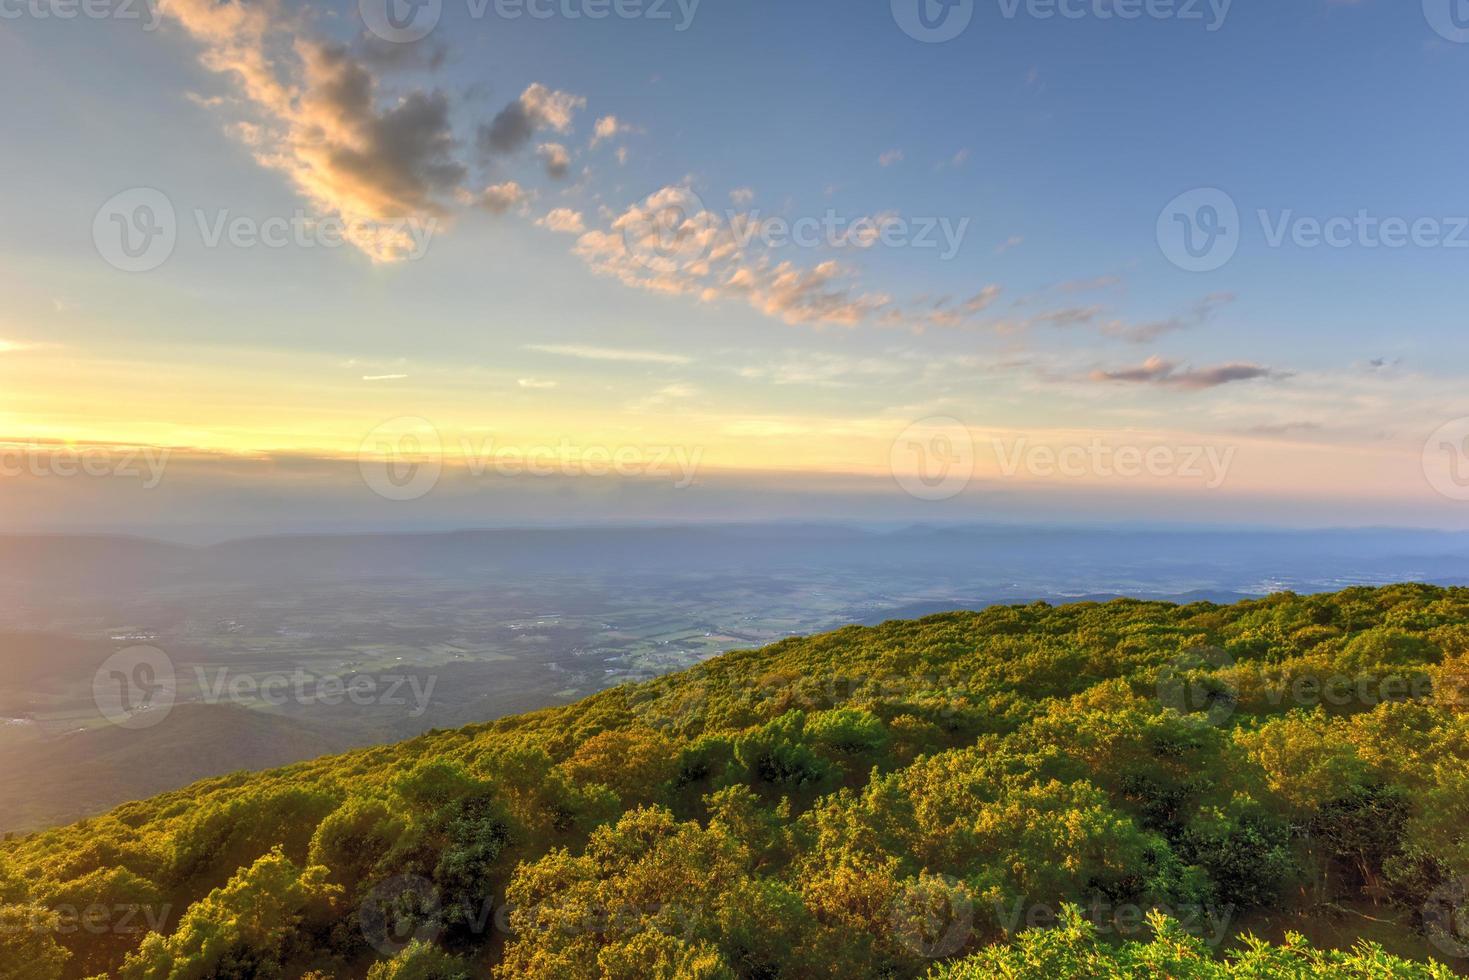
(409, 262)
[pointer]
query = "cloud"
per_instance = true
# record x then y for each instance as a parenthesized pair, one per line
(500, 198)
(536, 383)
(742, 196)
(13, 346)
(556, 159)
(1014, 241)
(564, 220)
(1141, 333)
(315, 117)
(394, 56)
(384, 377)
(1159, 371)
(825, 370)
(537, 108)
(670, 244)
(663, 397)
(588, 353)
(1284, 428)
(1088, 285)
(1070, 316)
(890, 157)
(610, 127)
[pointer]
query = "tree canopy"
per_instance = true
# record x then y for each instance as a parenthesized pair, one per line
(1120, 787)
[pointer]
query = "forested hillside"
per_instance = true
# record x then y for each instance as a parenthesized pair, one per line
(876, 802)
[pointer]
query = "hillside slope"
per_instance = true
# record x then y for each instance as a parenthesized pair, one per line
(870, 802)
(80, 773)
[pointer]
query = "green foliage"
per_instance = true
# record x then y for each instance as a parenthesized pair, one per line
(421, 961)
(245, 929)
(862, 803)
(1074, 949)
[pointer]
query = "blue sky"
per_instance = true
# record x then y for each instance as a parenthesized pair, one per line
(1052, 144)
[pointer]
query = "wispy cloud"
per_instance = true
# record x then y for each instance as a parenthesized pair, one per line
(1160, 371)
(587, 353)
(670, 244)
